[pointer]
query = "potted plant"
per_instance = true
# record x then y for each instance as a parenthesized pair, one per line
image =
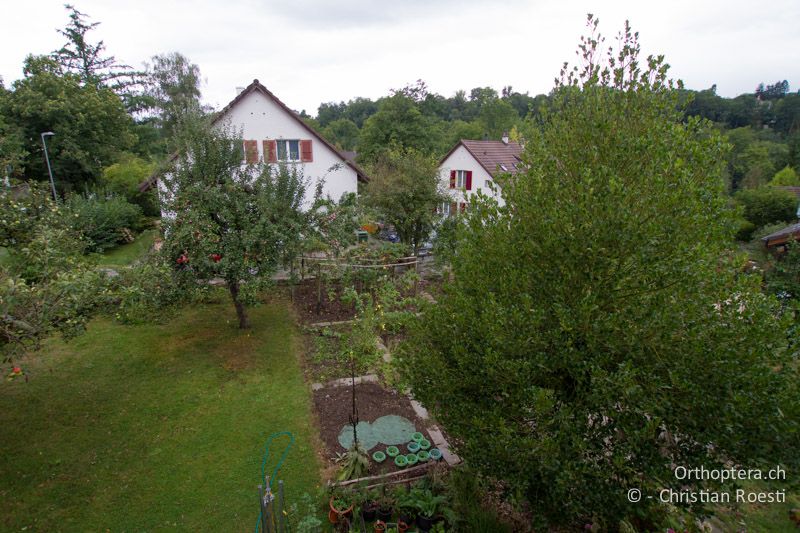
(424, 444)
(369, 506)
(341, 506)
(401, 461)
(411, 459)
(392, 451)
(417, 436)
(435, 454)
(405, 504)
(380, 526)
(413, 446)
(428, 504)
(385, 505)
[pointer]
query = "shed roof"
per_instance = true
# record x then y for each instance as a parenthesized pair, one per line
(783, 235)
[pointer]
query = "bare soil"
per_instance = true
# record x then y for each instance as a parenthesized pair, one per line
(334, 406)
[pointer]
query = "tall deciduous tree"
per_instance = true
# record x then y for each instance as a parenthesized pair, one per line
(405, 190)
(90, 123)
(173, 87)
(229, 220)
(397, 124)
(594, 335)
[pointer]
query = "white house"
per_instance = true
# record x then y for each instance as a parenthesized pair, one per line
(274, 133)
(472, 166)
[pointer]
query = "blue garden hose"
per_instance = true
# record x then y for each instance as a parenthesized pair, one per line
(277, 466)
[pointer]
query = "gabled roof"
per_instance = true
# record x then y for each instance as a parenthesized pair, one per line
(782, 236)
(256, 86)
(496, 157)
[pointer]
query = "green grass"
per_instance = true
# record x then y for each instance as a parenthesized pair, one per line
(156, 427)
(128, 253)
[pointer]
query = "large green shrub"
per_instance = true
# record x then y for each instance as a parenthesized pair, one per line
(594, 336)
(103, 220)
(124, 177)
(767, 205)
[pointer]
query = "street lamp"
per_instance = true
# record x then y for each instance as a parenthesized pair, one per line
(47, 158)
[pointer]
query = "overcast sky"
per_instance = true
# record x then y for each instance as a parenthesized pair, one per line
(312, 51)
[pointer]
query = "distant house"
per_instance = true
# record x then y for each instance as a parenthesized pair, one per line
(274, 133)
(472, 166)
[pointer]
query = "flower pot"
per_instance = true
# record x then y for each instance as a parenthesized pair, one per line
(417, 436)
(402, 527)
(406, 518)
(384, 514)
(379, 456)
(379, 527)
(392, 451)
(413, 446)
(412, 459)
(435, 454)
(423, 456)
(401, 461)
(334, 515)
(424, 444)
(369, 511)
(424, 523)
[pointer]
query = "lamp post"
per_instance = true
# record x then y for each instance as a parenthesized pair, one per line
(47, 158)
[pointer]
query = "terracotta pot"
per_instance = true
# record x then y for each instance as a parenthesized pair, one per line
(380, 527)
(402, 527)
(335, 514)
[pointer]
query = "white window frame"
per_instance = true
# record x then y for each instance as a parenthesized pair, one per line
(285, 143)
(461, 179)
(444, 209)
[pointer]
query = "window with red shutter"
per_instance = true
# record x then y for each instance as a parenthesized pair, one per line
(452, 179)
(469, 180)
(251, 152)
(306, 155)
(270, 150)
(463, 207)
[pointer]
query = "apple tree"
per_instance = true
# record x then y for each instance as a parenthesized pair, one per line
(227, 219)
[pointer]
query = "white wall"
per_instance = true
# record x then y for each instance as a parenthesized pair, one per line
(260, 118)
(461, 159)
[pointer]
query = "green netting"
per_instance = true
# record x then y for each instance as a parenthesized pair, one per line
(387, 430)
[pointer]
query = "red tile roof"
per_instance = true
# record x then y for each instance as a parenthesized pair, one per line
(496, 157)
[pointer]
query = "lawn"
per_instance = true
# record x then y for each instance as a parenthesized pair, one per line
(127, 253)
(155, 427)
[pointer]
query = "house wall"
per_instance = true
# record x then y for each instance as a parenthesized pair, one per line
(461, 159)
(259, 118)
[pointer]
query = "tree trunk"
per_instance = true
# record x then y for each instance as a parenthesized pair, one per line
(240, 310)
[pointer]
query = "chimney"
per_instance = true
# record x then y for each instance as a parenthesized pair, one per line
(239, 90)
(504, 138)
